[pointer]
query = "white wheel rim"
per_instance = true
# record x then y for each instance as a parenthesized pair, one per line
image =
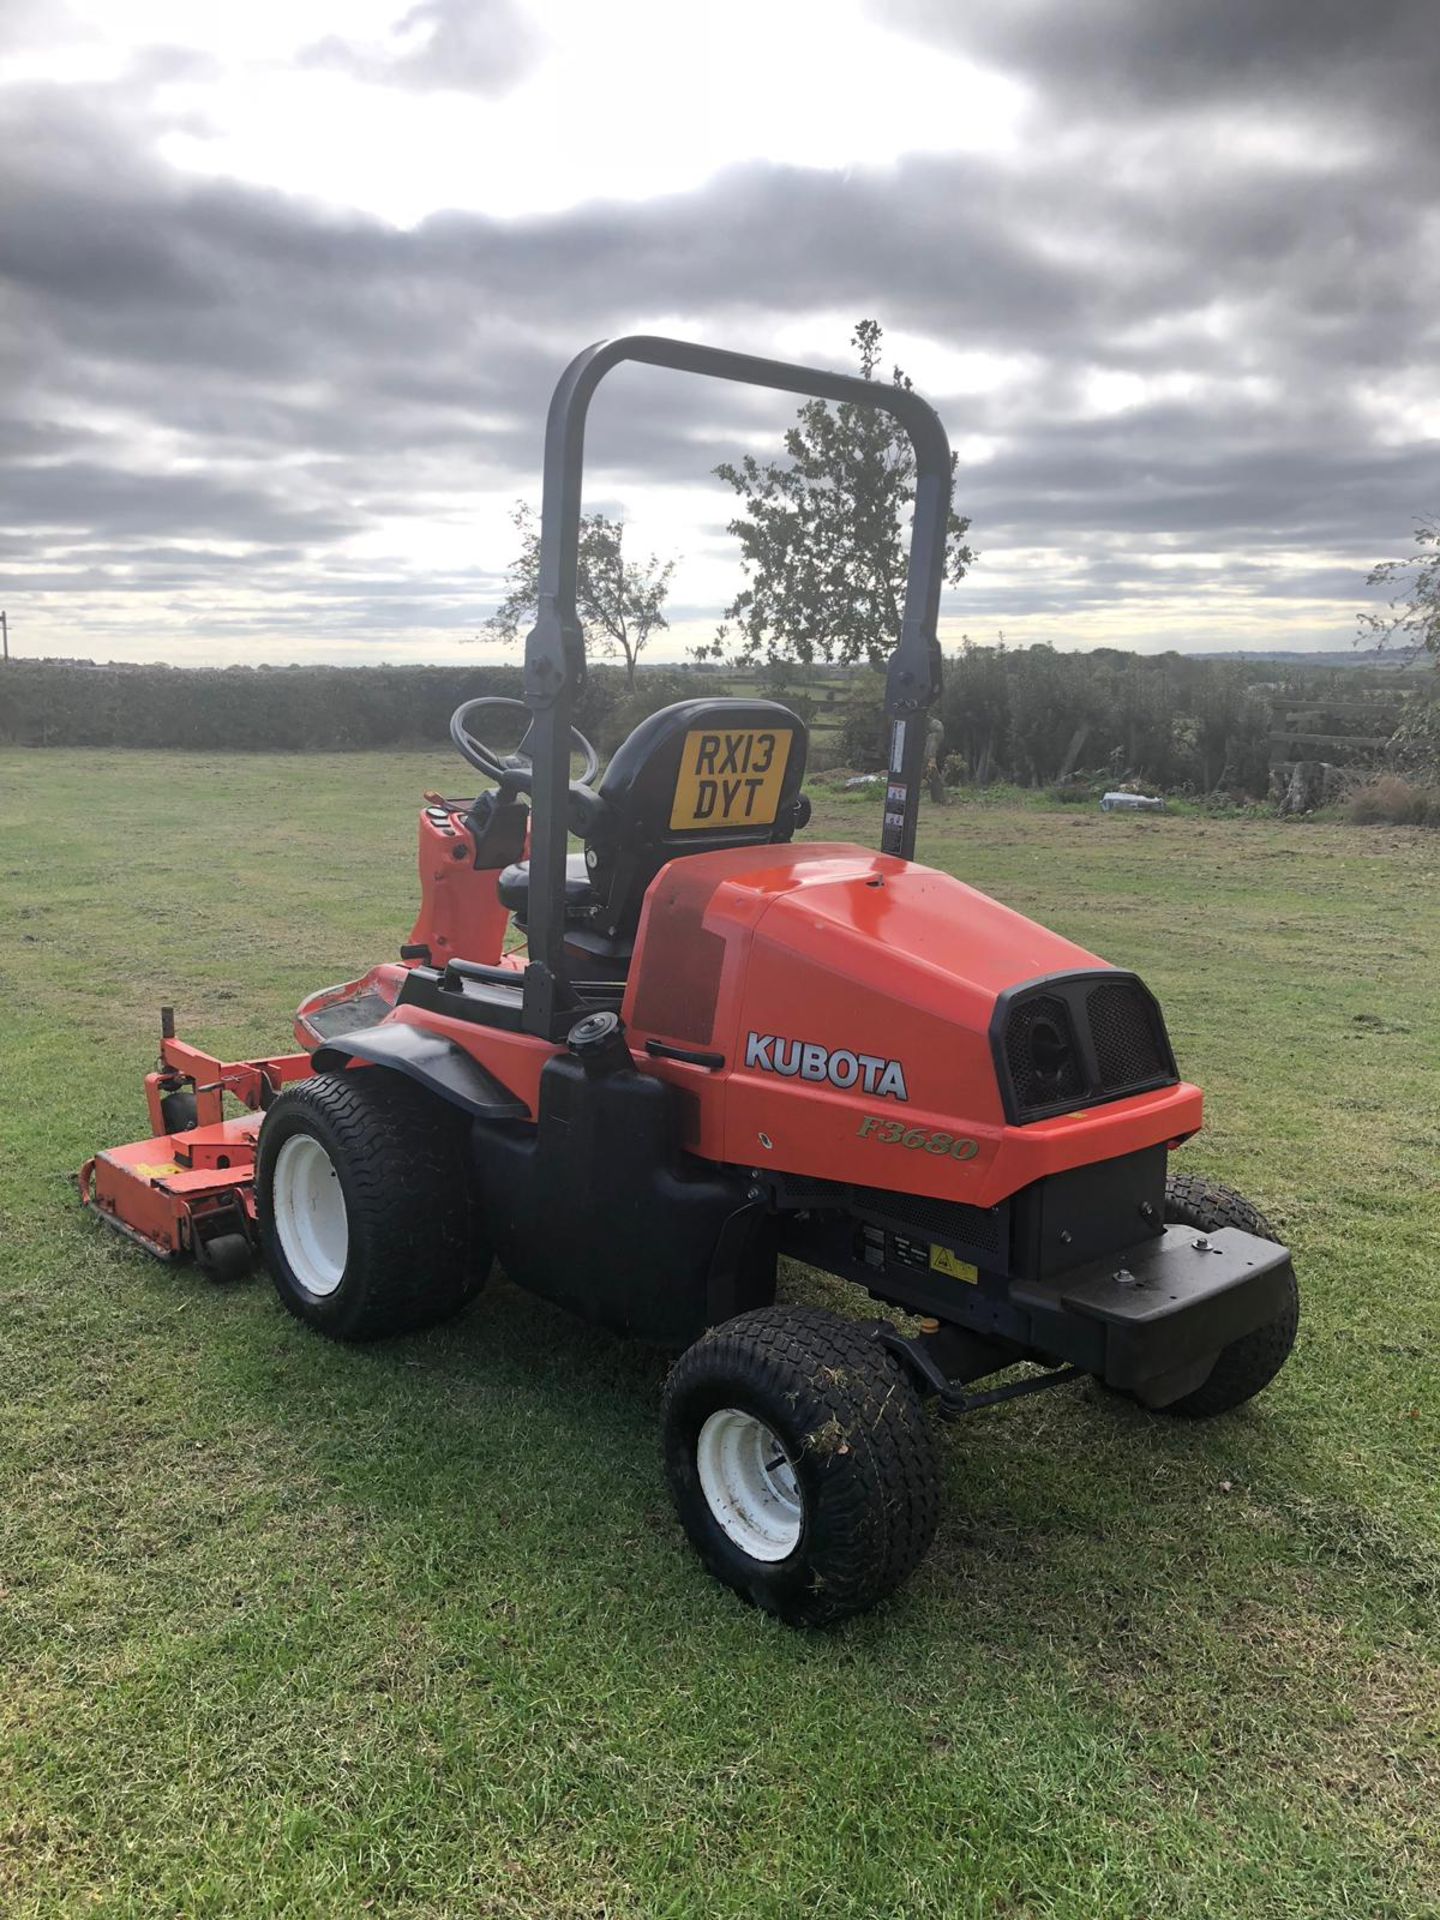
(749, 1485)
(309, 1213)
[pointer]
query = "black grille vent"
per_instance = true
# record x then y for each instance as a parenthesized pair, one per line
(1127, 1050)
(976, 1227)
(1040, 1049)
(981, 1230)
(1076, 1039)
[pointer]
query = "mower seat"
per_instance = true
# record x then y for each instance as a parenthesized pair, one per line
(513, 885)
(696, 777)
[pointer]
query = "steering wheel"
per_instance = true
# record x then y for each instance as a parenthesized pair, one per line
(515, 769)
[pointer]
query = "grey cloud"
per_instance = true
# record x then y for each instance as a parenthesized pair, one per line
(1163, 470)
(1376, 58)
(73, 495)
(326, 370)
(477, 46)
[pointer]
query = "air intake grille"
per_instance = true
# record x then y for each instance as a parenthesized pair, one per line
(1077, 1039)
(1040, 1049)
(1127, 1051)
(983, 1228)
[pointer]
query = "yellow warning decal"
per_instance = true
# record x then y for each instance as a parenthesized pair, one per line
(156, 1169)
(730, 777)
(943, 1261)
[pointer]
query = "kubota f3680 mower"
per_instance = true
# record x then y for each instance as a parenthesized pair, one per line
(721, 1046)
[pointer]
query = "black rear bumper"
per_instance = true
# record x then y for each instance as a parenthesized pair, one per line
(1151, 1321)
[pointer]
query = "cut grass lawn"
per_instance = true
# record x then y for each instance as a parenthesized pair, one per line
(289, 1629)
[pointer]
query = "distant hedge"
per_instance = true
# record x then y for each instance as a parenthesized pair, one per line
(1028, 715)
(66, 703)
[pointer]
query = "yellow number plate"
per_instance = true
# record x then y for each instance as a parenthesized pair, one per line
(730, 777)
(943, 1261)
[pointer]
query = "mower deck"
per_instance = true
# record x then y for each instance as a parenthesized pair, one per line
(187, 1186)
(164, 1192)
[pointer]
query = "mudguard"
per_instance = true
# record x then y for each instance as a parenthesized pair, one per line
(432, 1060)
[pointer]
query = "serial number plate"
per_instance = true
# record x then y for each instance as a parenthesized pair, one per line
(730, 777)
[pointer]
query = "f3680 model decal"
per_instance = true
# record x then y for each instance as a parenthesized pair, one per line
(804, 1058)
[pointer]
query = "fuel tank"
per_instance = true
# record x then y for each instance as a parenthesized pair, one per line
(843, 1015)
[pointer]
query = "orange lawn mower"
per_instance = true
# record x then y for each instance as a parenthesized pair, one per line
(720, 1046)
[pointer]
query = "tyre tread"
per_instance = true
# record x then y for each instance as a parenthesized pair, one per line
(402, 1152)
(882, 1499)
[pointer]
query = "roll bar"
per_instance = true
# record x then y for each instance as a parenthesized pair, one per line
(555, 648)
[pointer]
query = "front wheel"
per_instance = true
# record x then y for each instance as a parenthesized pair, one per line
(1250, 1363)
(362, 1193)
(801, 1463)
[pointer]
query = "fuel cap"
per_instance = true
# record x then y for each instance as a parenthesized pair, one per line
(598, 1043)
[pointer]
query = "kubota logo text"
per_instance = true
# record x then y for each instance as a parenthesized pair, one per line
(841, 1068)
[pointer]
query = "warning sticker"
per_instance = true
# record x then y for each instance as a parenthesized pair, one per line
(943, 1261)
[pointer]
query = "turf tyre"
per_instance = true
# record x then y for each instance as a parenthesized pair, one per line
(856, 1439)
(398, 1154)
(1250, 1363)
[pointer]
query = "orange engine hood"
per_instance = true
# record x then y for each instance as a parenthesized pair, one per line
(793, 962)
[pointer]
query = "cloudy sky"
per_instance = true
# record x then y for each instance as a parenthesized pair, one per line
(284, 288)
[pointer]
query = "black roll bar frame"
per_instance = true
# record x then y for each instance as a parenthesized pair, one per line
(555, 648)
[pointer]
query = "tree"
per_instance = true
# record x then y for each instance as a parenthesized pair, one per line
(821, 537)
(621, 602)
(1413, 614)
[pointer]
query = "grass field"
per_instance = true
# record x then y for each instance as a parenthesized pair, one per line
(287, 1629)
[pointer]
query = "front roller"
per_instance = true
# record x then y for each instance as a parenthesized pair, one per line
(802, 1465)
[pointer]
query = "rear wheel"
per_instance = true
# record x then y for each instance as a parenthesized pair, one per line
(1250, 1363)
(801, 1463)
(362, 1190)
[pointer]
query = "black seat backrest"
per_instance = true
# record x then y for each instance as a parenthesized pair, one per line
(699, 775)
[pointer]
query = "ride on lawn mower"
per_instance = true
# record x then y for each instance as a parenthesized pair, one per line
(721, 1046)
